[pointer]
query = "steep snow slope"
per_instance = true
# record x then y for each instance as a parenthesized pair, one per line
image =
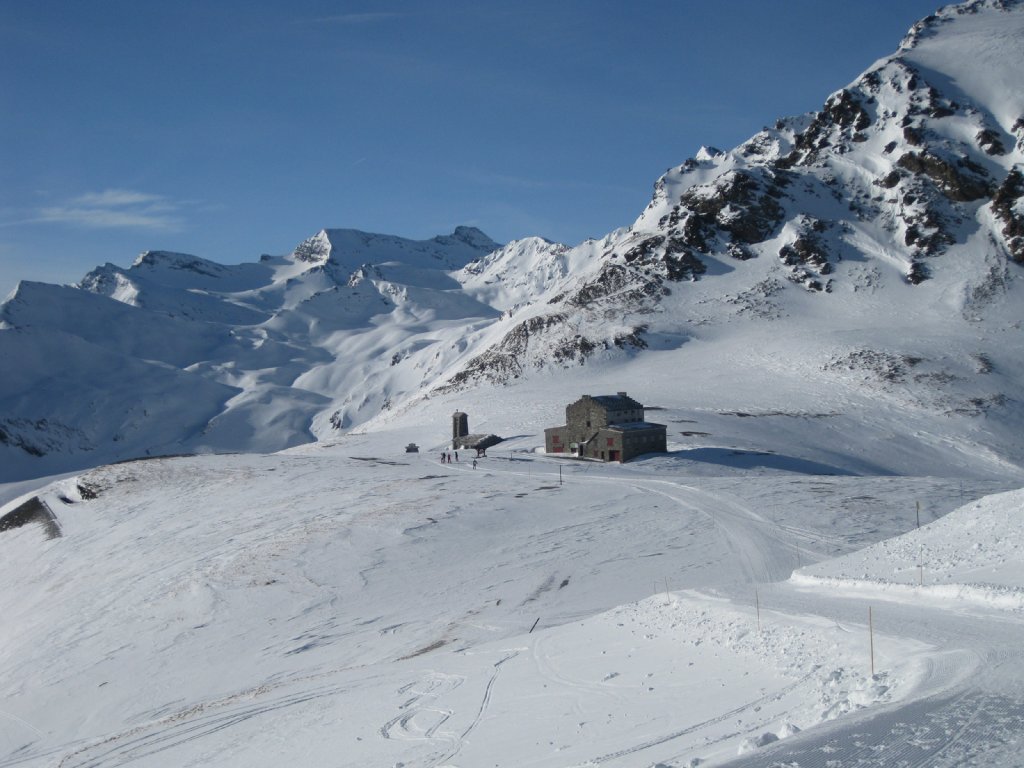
(903, 177)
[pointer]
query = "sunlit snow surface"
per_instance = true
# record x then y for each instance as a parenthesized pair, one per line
(761, 595)
(357, 605)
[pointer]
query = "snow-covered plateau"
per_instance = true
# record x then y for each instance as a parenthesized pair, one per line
(216, 550)
(351, 604)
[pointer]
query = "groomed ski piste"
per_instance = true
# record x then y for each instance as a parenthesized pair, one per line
(350, 604)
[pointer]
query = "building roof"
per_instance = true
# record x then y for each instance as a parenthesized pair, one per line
(616, 402)
(478, 440)
(634, 426)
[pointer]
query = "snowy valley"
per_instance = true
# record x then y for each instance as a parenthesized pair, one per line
(233, 560)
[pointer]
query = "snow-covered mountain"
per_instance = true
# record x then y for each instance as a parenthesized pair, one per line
(823, 570)
(177, 353)
(859, 261)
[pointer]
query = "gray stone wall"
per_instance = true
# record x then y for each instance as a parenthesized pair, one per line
(590, 422)
(460, 427)
(556, 440)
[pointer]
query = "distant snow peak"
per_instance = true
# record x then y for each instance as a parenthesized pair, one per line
(109, 280)
(708, 154)
(343, 250)
(470, 236)
(180, 261)
(313, 250)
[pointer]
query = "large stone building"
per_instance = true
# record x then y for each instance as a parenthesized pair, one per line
(606, 427)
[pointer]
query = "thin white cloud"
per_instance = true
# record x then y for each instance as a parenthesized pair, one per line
(116, 197)
(113, 209)
(105, 218)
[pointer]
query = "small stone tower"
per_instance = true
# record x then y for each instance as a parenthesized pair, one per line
(460, 427)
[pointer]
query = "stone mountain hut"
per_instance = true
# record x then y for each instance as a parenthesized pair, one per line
(606, 427)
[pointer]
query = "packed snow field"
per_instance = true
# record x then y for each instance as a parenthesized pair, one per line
(352, 604)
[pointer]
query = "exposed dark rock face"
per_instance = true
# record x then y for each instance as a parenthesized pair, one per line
(926, 232)
(963, 181)
(883, 366)
(807, 257)
(627, 285)
(313, 250)
(843, 117)
(917, 273)
(505, 360)
(989, 141)
(1018, 131)
(40, 437)
(1008, 207)
(741, 207)
(669, 256)
(19, 442)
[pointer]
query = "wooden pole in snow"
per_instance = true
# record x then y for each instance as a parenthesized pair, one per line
(871, 635)
(757, 605)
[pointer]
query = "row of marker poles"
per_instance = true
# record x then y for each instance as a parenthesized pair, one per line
(871, 622)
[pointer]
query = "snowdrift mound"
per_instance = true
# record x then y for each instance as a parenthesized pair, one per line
(971, 554)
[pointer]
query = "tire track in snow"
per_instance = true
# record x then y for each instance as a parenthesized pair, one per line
(672, 735)
(196, 722)
(739, 527)
(932, 732)
(546, 668)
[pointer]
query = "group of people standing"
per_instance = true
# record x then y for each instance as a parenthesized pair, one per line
(446, 458)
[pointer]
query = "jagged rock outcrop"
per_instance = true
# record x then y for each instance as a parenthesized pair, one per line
(1008, 209)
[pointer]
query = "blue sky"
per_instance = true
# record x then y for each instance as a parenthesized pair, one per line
(230, 129)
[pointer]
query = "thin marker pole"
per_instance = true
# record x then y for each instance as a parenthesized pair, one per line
(757, 605)
(871, 634)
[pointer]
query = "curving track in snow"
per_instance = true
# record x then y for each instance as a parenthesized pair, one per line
(966, 706)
